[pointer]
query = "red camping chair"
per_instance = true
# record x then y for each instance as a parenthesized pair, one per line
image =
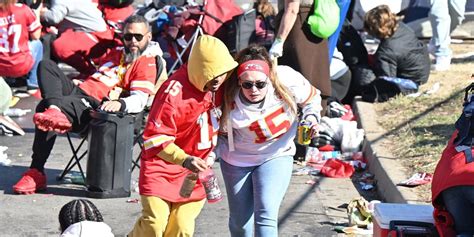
(210, 18)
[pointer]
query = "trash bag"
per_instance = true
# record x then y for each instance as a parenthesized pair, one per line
(358, 212)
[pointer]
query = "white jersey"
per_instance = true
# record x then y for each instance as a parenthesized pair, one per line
(261, 134)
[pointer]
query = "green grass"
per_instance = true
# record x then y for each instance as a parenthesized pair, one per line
(420, 127)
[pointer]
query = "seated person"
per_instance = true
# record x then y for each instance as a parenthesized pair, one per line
(82, 32)
(80, 217)
(400, 54)
(115, 11)
(452, 189)
(264, 23)
(123, 82)
(19, 55)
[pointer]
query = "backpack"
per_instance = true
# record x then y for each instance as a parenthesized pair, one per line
(117, 3)
(325, 18)
(241, 31)
(351, 46)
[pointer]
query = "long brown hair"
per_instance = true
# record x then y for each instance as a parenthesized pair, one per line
(380, 22)
(6, 4)
(231, 86)
(264, 7)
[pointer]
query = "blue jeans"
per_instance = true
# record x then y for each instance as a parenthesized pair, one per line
(36, 49)
(255, 194)
(445, 16)
(459, 202)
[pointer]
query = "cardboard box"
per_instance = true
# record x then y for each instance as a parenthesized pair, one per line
(386, 212)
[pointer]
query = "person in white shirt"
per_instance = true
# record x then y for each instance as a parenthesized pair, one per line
(260, 119)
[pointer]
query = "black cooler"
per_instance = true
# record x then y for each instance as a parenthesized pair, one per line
(110, 154)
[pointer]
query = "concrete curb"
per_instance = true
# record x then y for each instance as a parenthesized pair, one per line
(387, 169)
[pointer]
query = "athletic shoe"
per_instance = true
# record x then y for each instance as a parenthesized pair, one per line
(442, 63)
(52, 120)
(9, 127)
(31, 182)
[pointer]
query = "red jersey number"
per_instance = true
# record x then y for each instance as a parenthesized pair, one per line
(272, 126)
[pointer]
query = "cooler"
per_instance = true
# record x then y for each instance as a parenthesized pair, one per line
(110, 154)
(384, 213)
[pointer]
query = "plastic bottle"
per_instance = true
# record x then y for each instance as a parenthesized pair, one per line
(209, 181)
(188, 185)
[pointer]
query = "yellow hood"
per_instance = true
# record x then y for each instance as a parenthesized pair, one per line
(209, 58)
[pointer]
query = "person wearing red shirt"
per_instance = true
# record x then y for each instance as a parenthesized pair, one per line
(18, 24)
(123, 82)
(82, 33)
(452, 191)
(180, 134)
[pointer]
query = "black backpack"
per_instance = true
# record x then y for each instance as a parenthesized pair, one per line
(241, 31)
(351, 46)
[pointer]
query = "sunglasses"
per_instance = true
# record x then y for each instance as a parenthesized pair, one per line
(130, 36)
(248, 85)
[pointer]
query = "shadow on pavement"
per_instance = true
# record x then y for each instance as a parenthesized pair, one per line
(11, 174)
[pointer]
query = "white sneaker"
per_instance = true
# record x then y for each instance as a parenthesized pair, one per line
(442, 63)
(9, 127)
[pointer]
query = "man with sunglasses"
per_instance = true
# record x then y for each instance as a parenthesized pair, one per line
(123, 82)
(179, 136)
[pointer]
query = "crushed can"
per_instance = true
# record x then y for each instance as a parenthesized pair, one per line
(303, 133)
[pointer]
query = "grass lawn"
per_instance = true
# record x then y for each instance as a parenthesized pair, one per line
(421, 126)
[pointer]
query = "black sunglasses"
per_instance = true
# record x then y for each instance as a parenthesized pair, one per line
(130, 36)
(249, 85)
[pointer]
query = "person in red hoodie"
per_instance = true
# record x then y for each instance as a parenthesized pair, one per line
(180, 134)
(452, 187)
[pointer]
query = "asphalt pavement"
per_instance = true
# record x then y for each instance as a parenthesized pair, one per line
(312, 206)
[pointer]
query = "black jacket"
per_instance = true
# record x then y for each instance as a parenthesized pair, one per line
(403, 56)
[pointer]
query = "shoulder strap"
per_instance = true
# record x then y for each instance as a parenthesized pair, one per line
(159, 66)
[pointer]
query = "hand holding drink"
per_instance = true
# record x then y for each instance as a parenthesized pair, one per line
(307, 129)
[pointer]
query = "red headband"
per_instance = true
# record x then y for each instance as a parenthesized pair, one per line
(254, 65)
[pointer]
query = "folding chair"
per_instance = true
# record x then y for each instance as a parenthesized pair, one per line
(76, 158)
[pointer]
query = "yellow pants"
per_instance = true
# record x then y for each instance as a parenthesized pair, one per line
(163, 218)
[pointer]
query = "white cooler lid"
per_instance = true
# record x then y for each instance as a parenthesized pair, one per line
(386, 212)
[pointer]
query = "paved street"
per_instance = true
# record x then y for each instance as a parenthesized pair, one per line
(307, 210)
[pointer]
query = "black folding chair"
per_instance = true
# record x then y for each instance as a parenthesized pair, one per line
(75, 159)
(138, 132)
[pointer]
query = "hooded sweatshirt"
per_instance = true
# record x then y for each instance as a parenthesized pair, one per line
(88, 229)
(183, 122)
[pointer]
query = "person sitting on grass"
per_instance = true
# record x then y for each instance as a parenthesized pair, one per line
(399, 55)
